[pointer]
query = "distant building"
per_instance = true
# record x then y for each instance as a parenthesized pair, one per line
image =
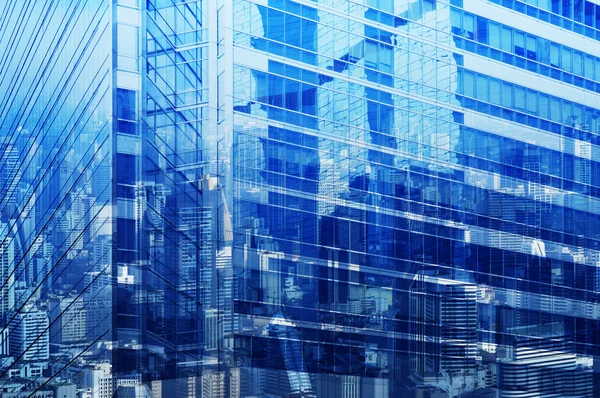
(7, 267)
(540, 362)
(28, 334)
(69, 320)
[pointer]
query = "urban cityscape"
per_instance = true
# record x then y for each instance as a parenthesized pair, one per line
(300, 198)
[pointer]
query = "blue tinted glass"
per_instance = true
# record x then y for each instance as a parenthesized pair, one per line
(299, 199)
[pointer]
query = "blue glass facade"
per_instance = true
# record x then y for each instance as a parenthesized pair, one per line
(309, 198)
(415, 196)
(55, 190)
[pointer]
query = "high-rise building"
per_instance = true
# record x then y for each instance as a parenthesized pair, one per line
(9, 174)
(68, 316)
(7, 264)
(296, 198)
(419, 175)
(98, 380)
(545, 360)
(28, 335)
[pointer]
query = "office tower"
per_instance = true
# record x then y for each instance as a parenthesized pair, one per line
(437, 156)
(68, 316)
(28, 335)
(7, 264)
(540, 355)
(98, 380)
(443, 326)
(9, 173)
(213, 385)
(284, 350)
(212, 329)
(55, 135)
(287, 198)
(104, 168)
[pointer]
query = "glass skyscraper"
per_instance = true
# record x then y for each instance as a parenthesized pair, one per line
(308, 198)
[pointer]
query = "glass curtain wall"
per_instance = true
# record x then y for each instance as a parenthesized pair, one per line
(413, 216)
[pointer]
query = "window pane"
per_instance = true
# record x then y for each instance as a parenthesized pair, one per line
(126, 104)
(127, 40)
